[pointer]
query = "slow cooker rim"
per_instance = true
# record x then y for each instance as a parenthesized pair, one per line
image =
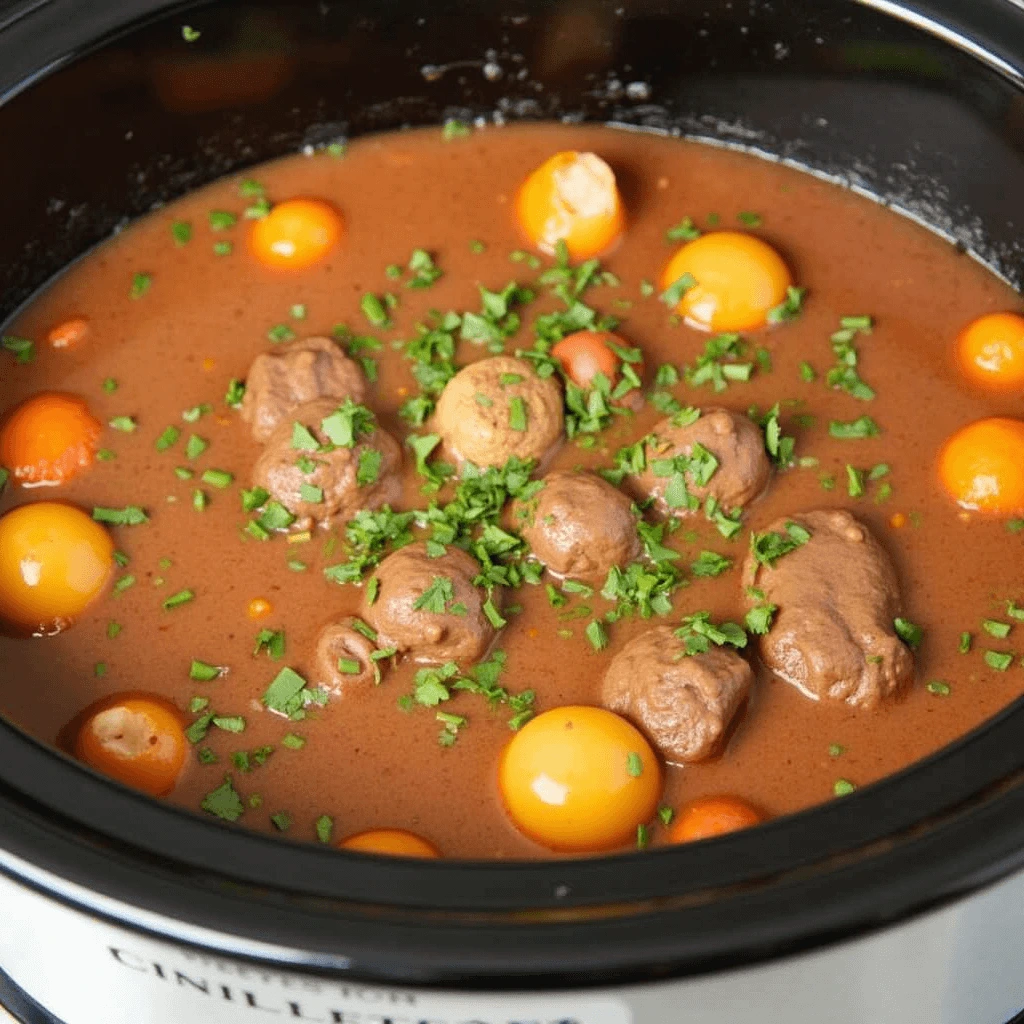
(981, 860)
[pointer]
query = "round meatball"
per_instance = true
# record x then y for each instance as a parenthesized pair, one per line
(683, 703)
(580, 526)
(344, 663)
(291, 375)
(837, 596)
(497, 408)
(328, 483)
(742, 472)
(429, 608)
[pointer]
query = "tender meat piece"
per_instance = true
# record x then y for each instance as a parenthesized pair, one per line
(684, 704)
(580, 526)
(291, 375)
(346, 480)
(497, 408)
(340, 649)
(429, 608)
(837, 597)
(743, 470)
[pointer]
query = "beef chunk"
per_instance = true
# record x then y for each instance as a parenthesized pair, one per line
(496, 408)
(683, 703)
(837, 597)
(293, 374)
(429, 608)
(344, 665)
(737, 474)
(328, 483)
(580, 526)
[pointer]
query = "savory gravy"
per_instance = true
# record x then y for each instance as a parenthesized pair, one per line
(205, 315)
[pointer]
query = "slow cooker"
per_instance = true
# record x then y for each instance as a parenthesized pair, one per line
(900, 904)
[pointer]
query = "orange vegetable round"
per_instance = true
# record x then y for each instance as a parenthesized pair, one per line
(391, 842)
(48, 439)
(712, 816)
(982, 466)
(579, 779)
(296, 234)
(69, 333)
(54, 561)
(571, 197)
(137, 739)
(584, 354)
(990, 351)
(738, 279)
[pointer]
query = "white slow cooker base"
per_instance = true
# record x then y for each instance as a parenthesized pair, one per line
(963, 964)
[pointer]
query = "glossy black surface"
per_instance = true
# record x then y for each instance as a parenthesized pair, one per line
(828, 83)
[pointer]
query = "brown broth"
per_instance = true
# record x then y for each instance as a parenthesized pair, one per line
(367, 763)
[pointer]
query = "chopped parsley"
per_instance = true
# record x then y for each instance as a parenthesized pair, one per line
(177, 600)
(218, 478)
(280, 333)
(131, 515)
(224, 801)
(862, 427)
(348, 423)
(790, 307)
(23, 349)
(698, 633)
(843, 787)
(141, 284)
(374, 310)
(759, 619)
(710, 563)
(1000, 630)
(450, 726)
(125, 424)
(517, 413)
(939, 688)
(908, 632)
(195, 446)
(674, 293)
(999, 660)
(717, 366)
(454, 129)
(271, 641)
(235, 393)
(222, 220)
(767, 548)
(634, 764)
(289, 695)
(436, 597)
(684, 231)
(423, 269)
(597, 634)
(844, 376)
(181, 232)
(324, 827)
(202, 672)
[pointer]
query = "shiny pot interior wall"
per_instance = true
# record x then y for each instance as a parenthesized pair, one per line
(151, 115)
